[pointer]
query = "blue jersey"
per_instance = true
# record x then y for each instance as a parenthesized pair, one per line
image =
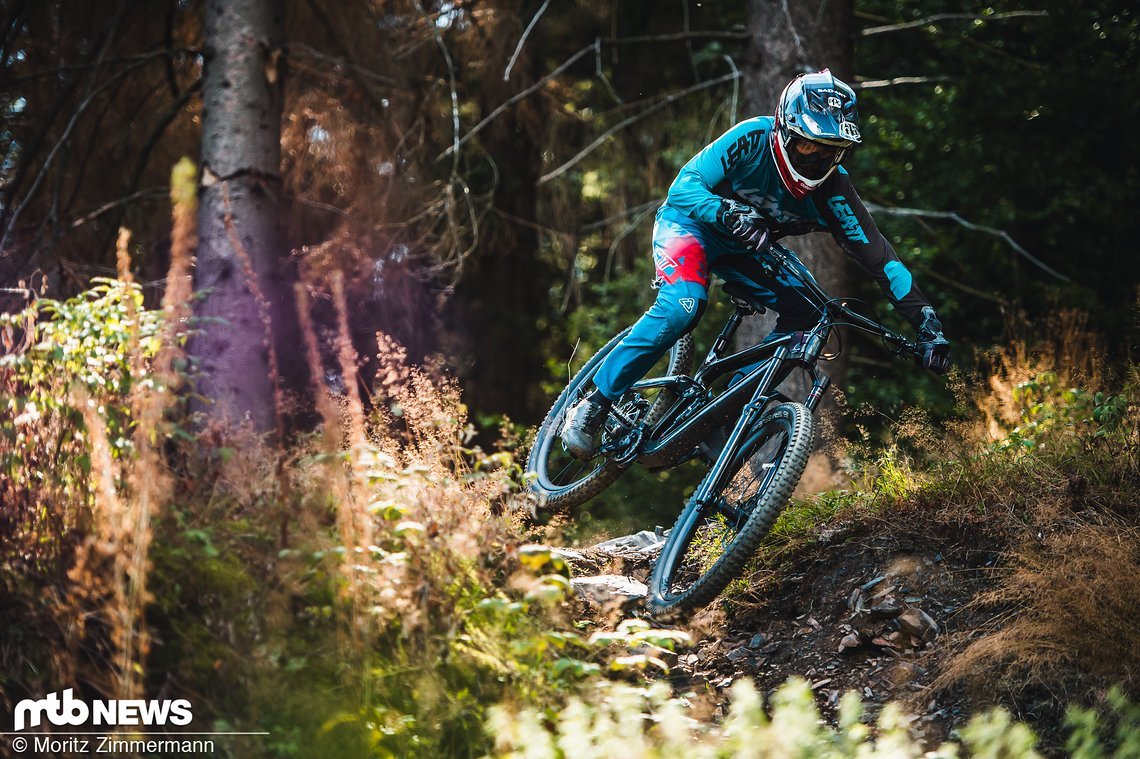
(739, 165)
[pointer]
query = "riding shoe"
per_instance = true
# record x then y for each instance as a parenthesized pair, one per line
(581, 431)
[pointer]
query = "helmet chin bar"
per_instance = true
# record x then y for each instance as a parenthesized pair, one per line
(797, 184)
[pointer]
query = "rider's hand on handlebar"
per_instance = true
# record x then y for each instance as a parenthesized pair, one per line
(744, 222)
(933, 348)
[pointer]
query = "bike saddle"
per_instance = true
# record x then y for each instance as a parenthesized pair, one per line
(740, 292)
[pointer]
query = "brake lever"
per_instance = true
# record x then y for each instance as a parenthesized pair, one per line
(904, 345)
(770, 258)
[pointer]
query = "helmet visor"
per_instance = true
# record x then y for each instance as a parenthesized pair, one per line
(812, 160)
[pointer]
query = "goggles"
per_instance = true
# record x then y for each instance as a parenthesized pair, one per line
(812, 160)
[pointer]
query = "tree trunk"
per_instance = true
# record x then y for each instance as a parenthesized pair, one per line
(785, 39)
(241, 153)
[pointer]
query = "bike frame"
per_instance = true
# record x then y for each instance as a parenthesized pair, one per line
(697, 412)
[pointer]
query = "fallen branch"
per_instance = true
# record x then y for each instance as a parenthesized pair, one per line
(601, 74)
(451, 79)
(564, 236)
(332, 60)
(514, 99)
(629, 229)
(574, 59)
(873, 84)
(926, 271)
(735, 88)
(618, 217)
(152, 193)
(46, 166)
(1002, 54)
(876, 208)
(795, 35)
(678, 36)
(57, 71)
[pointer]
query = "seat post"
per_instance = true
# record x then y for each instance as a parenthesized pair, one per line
(729, 330)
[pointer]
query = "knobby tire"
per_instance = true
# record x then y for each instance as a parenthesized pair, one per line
(665, 601)
(553, 496)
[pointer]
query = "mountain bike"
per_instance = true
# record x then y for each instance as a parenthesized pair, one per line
(731, 415)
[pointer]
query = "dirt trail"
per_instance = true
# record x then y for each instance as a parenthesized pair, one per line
(858, 609)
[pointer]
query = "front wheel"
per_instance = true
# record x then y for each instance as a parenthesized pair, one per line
(557, 478)
(711, 542)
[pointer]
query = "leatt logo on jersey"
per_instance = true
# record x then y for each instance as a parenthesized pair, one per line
(847, 219)
(742, 147)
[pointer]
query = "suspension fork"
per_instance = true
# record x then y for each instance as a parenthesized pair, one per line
(820, 383)
(813, 346)
(714, 481)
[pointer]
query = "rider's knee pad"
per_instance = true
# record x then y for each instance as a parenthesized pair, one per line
(682, 315)
(678, 308)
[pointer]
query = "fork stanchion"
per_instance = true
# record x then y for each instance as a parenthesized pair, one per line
(818, 388)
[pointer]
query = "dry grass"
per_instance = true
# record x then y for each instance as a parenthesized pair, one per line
(410, 513)
(1066, 619)
(412, 528)
(1062, 616)
(370, 537)
(1071, 351)
(109, 577)
(1032, 471)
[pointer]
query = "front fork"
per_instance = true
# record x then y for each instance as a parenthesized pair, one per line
(820, 383)
(714, 482)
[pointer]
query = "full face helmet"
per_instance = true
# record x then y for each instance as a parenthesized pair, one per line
(816, 125)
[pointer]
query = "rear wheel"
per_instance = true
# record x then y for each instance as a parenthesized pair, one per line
(710, 543)
(562, 481)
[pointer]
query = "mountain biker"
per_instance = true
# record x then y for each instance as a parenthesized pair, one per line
(769, 177)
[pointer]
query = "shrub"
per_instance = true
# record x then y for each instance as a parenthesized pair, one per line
(616, 721)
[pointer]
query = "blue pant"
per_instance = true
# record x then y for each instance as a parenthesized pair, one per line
(684, 252)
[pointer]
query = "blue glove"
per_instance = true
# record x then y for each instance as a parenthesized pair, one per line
(744, 222)
(933, 347)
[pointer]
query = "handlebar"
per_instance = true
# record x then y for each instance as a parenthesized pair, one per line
(870, 325)
(775, 254)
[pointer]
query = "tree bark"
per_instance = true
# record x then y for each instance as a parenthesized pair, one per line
(789, 37)
(241, 155)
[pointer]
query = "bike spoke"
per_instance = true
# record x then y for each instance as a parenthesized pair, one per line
(709, 541)
(715, 533)
(571, 471)
(735, 516)
(561, 481)
(558, 477)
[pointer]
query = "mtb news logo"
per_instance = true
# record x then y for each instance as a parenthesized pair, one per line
(74, 712)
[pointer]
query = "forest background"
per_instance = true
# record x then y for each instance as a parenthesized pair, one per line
(532, 236)
(477, 180)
